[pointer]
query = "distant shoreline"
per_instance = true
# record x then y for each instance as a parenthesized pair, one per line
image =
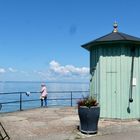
(43, 81)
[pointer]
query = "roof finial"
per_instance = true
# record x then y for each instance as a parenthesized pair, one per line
(115, 25)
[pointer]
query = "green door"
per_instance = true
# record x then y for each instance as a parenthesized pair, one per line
(111, 93)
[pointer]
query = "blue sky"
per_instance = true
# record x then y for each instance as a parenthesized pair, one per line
(40, 40)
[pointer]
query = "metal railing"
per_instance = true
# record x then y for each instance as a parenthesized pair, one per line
(20, 101)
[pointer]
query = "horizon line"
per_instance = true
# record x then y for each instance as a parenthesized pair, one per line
(44, 81)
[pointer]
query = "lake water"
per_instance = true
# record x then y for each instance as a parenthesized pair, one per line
(55, 91)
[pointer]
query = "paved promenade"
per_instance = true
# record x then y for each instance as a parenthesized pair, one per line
(61, 124)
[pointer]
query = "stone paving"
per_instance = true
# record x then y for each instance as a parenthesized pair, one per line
(57, 123)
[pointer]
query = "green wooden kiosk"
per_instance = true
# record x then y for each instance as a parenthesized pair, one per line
(115, 74)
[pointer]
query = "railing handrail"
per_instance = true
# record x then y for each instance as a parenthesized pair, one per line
(21, 100)
(18, 92)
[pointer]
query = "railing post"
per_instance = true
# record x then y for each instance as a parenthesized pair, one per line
(20, 101)
(71, 98)
(0, 106)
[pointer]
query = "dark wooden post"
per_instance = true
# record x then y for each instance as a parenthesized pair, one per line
(71, 98)
(20, 101)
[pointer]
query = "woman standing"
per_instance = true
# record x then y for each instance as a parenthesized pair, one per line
(43, 94)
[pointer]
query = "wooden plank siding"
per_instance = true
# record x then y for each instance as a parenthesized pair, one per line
(111, 80)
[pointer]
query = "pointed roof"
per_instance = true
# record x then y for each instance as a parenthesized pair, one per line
(113, 37)
(117, 36)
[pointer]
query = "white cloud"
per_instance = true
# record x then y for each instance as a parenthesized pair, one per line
(58, 72)
(68, 69)
(12, 70)
(2, 70)
(55, 72)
